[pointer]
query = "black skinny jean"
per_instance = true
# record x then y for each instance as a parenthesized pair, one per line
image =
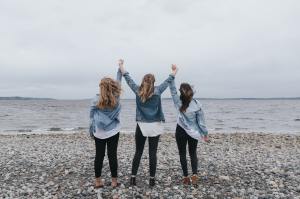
(140, 143)
(182, 138)
(112, 146)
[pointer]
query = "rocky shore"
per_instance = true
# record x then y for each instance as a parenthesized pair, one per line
(255, 166)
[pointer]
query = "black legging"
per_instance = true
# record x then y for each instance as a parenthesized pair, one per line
(112, 146)
(182, 138)
(140, 143)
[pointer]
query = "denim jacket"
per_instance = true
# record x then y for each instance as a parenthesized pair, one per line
(193, 118)
(106, 119)
(151, 110)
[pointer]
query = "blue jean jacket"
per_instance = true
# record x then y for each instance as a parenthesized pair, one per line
(106, 119)
(193, 118)
(151, 110)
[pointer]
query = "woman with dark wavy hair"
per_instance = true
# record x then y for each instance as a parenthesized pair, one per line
(190, 127)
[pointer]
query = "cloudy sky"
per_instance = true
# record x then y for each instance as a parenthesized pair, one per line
(225, 48)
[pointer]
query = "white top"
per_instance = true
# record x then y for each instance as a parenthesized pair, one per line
(102, 134)
(152, 129)
(191, 132)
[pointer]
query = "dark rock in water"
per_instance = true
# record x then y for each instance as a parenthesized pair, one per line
(24, 130)
(55, 129)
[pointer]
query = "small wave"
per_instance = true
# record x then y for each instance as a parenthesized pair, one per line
(297, 120)
(4, 115)
(24, 130)
(80, 128)
(66, 129)
(244, 118)
(218, 129)
(248, 118)
(238, 128)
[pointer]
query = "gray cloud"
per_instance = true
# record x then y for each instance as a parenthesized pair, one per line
(226, 48)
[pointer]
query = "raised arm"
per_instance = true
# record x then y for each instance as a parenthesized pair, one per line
(119, 73)
(131, 83)
(119, 76)
(168, 81)
(134, 87)
(163, 86)
(174, 94)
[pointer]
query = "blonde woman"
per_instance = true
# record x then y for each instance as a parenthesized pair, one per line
(105, 126)
(149, 115)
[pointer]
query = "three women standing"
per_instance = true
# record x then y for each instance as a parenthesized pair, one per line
(105, 123)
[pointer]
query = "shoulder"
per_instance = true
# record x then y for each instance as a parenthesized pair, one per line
(197, 103)
(156, 90)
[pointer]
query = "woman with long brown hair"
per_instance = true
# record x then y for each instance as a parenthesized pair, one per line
(105, 126)
(149, 116)
(190, 127)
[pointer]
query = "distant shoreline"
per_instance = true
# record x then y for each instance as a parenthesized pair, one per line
(167, 98)
(24, 98)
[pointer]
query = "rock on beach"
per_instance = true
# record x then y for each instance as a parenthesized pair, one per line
(237, 165)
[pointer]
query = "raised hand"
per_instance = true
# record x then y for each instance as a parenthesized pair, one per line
(121, 65)
(174, 69)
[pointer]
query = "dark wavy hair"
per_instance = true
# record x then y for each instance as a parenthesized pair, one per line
(186, 96)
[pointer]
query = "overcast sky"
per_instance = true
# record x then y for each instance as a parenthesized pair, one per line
(225, 48)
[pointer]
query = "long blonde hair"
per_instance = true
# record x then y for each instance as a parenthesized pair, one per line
(110, 90)
(147, 87)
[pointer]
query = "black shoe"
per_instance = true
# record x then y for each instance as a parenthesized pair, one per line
(133, 181)
(152, 182)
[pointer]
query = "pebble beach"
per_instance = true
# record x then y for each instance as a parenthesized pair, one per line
(239, 165)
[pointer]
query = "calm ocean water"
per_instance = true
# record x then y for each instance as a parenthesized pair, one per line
(272, 116)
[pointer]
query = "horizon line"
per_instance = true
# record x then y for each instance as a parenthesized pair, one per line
(203, 98)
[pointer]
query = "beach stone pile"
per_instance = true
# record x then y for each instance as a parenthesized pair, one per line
(254, 166)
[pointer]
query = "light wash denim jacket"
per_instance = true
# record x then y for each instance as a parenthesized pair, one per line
(193, 118)
(151, 110)
(106, 119)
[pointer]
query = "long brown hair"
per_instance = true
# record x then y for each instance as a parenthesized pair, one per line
(186, 96)
(110, 90)
(147, 87)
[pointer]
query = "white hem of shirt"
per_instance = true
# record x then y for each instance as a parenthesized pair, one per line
(152, 129)
(102, 134)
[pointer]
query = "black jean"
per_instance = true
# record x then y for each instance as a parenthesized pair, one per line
(182, 138)
(140, 143)
(112, 146)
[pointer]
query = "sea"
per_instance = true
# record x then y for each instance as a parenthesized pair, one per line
(222, 116)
